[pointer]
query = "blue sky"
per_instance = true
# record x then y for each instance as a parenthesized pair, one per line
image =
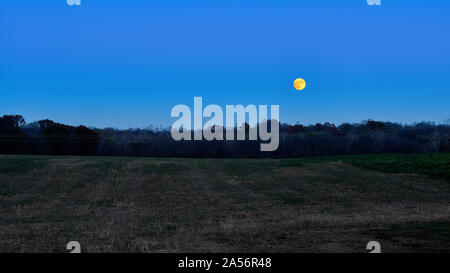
(127, 63)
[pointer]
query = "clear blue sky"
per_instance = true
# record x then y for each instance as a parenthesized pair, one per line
(127, 63)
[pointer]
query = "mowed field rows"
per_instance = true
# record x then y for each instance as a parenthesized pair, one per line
(117, 204)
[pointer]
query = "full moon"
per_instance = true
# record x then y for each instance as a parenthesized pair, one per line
(299, 84)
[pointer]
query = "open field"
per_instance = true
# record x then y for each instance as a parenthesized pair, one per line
(335, 204)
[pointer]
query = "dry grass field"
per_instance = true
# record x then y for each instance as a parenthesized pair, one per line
(221, 205)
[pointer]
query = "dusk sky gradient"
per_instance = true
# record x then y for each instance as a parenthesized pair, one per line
(127, 63)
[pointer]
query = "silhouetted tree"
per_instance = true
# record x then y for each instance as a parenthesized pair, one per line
(56, 137)
(85, 141)
(11, 137)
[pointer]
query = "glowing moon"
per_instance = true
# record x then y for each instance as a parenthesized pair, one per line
(299, 84)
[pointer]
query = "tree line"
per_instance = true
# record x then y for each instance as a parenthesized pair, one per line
(46, 137)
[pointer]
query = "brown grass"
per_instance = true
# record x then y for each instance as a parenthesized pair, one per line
(212, 205)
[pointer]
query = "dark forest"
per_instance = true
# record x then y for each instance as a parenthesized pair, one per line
(46, 137)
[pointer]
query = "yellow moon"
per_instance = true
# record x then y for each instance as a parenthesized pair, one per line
(299, 84)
